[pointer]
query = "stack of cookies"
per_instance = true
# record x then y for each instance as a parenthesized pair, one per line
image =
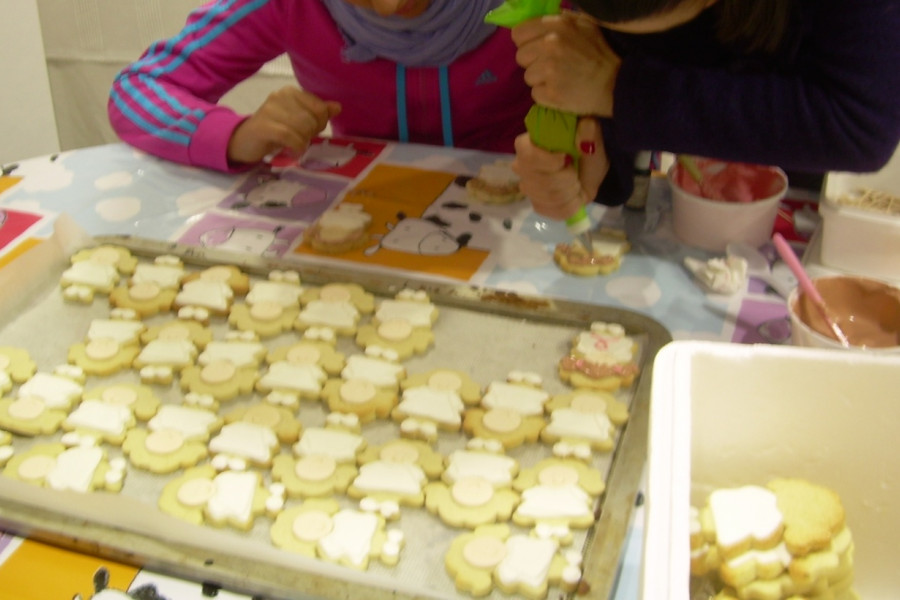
(788, 539)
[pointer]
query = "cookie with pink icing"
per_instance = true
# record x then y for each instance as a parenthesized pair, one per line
(603, 358)
(558, 494)
(228, 499)
(395, 473)
(16, 366)
(435, 400)
(82, 467)
(492, 557)
(118, 257)
(582, 421)
(280, 420)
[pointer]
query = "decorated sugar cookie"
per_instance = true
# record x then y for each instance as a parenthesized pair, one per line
(434, 400)
(359, 397)
(413, 306)
(111, 345)
(521, 392)
(584, 420)
(338, 306)
(265, 318)
(377, 366)
(166, 272)
(347, 537)
(317, 347)
(58, 391)
(16, 366)
(179, 329)
(608, 247)
(504, 425)
(212, 289)
(476, 489)
(277, 418)
(221, 379)
(296, 379)
(30, 416)
(240, 349)
(82, 467)
(491, 557)
(146, 298)
(175, 438)
(398, 335)
(6, 447)
(228, 499)
(324, 461)
(241, 443)
(340, 229)
(230, 275)
(160, 359)
(395, 473)
(558, 494)
(85, 278)
(100, 420)
(140, 399)
(602, 358)
(116, 256)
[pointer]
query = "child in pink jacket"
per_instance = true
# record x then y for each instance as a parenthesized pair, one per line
(423, 71)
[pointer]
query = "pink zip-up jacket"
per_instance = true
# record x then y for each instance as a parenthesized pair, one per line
(166, 103)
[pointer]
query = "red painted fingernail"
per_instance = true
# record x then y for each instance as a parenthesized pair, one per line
(588, 148)
(568, 161)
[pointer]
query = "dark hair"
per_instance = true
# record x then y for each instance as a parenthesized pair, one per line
(750, 25)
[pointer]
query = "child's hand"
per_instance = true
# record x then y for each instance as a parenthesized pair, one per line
(550, 180)
(289, 118)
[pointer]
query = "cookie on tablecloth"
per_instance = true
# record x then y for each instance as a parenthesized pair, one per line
(522, 565)
(558, 494)
(603, 358)
(339, 229)
(434, 400)
(319, 528)
(83, 467)
(582, 421)
(496, 183)
(604, 257)
(394, 474)
(16, 366)
(229, 499)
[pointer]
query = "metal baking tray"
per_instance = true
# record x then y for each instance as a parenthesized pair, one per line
(486, 332)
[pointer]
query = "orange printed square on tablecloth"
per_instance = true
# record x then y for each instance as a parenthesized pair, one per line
(404, 233)
(36, 571)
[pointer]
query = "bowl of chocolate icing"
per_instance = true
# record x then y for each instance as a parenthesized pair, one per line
(867, 310)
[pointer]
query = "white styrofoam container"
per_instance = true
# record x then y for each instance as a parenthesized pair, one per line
(725, 415)
(856, 240)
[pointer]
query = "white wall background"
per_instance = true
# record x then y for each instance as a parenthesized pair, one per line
(27, 122)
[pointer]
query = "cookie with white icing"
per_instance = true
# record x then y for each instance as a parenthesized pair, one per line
(521, 565)
(241, 443)
(586, 418)
(360, 397)
(338, 306)
(396, 472)
(340, 229)
(221, 379)
(140, 399)
(312, 349)
(495, 183)
(80, 468)
(435, 400)
(116, 256)
(558, 494)
(280, 420)
(228, 499)
(110, 346)
(179, 329)
(85, 278)
(165, 272)
(100, 420)
(30, 416)
(146, 298)
(16, 366)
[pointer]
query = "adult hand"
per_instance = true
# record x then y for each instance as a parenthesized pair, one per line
(568, 63)
(550, 179)
(289, 118)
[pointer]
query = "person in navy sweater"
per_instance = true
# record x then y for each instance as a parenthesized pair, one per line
(808, 85)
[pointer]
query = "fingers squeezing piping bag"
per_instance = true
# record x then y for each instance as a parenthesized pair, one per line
(549, 128)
